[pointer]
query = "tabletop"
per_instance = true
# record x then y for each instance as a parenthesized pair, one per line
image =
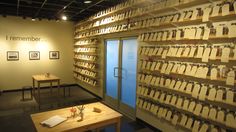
(43, 77)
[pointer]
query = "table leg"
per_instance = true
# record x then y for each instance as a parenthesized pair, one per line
(58, 87)
(51, 87)
(118, 125)
(33, 87)
(39, 92)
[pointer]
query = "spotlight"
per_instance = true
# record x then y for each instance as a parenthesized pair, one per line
(87, 1)
(33, 19)
(64, 17)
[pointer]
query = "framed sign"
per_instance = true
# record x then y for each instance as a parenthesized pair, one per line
(12, 55)
(54, 54)
(34, 55)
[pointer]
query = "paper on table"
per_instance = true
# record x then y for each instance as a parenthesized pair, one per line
(53, 121)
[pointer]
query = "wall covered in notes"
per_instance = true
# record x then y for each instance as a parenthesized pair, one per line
(187, 59)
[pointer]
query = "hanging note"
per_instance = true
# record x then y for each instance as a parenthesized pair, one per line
(168, 69)
(213, 74)
(191, 106)
(213, 54)
(212, 114)
(179, 103)
(163, 68)
(206, 13)
(229, 97)
(206, 54)
(219, 31)
(179, 52)
(206, 34)
(212, 94)
(178, 35)
(175, 119)
(194, 14)
(199, 52)
(198, 109)
(186, 104)
(188, 70)
(220, 116)
(230, 80)
(204, 128)
(225, 54)
(225, 9)
(196, 126)
(186, 52)
(215, 11)
(203, 92)
(171, 86)
(230, 121)
(168, 97)
(189, 88)
(183, 120)
(198, 33)
(205, 112)
(168, 115)
(196, 90)
(219, 95)
(232, 29)
(192, 51)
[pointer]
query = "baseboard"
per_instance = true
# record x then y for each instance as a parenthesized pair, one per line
(89, 92)
(45, 87)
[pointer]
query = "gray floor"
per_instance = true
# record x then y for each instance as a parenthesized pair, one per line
(15, 113)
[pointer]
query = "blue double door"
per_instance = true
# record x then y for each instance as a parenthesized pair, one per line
(121, 69)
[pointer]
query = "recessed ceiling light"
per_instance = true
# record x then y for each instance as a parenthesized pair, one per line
(87, 1)
(64, 17)
(33, 19)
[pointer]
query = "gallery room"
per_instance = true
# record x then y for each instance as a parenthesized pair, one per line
(118, 65)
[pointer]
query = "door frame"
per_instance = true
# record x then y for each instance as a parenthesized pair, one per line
(117, 104)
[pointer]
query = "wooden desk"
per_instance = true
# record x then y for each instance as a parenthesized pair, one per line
(92, 120)
(44, 79)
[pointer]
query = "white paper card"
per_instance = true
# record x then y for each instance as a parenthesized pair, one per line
(219, 95)
(206, 55)
(230, 78)
(215, 11)
(225, 9)
(206, 34)
(232, 29)
(212, 94)
(213, 53)
(206, 13)
(199, 52)
(205, 112)
(213, 74)
(198, 109)
(194, 15)
(163, 56)
(53, 121)
(225, 55)
(186, 104)
(202, 94)
(196, 90)
(192, 52)
(229, 97)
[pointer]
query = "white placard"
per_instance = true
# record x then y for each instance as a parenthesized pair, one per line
(232, 29)
(157, 81)
(168, 69)
(203, 92)
(189, 88)
(178, 35)
(191, 106)
(168, 115)
(179, 103)
(186, 104)
(198, 109)
(230, 121)
(172, 84)
(157, 66)
(225, 54)
(163, 56)
(183, 86)
(198, 33)
(215, 11)
(212, 114)
(160, 50)
(156, 96)
(219, 31)
(205, 112)
(194, 15)
(168, 97)
(196, 90)
(206, 13)
(199, 52)
(192, 51)
(181, 69)
(196, 126)
(220, 116)
(174, 69)
(177, 85)
(213, 74)
(219, 95)
(183, 120)
(173, 100)
(213, 54)
(189, 123)
(225, 9)
(206, 55)
(204, 128)
(179, 52)
(153, 66)
(206, 34)
(188, 70)
(212, 94)
(163, 68)
(167, 83)
(175, 120)
(229, 97)
(230, 80)
(186, 52)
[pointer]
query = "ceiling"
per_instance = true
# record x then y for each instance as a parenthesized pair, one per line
(75, 10)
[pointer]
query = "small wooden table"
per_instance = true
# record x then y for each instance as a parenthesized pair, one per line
(92, 120)
(42, 78)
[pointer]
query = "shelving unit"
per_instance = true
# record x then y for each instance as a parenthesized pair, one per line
(168, 24)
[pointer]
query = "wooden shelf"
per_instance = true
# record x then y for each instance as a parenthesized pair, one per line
(190, 59)
(87, 53)
(219, 81)
(81, 81)
(94, 78)
(93, 70)
(222, 104)
(87, 45)
(89, 61)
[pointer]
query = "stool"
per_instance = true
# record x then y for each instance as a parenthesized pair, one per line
(64, 86)
(23, 92)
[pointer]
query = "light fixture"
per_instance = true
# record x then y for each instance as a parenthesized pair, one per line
(33, 19)
(64, 17)
(87, 1)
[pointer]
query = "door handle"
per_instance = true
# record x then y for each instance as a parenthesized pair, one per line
(114, 73)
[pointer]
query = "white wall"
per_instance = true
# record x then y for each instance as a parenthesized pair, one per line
(55, 36)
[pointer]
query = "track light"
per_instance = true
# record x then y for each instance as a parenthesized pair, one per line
(87, 1)
(64, 17)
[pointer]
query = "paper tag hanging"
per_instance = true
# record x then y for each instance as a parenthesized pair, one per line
(230, 78)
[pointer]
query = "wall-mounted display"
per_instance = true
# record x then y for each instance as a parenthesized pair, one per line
(54, 55)
(12, 55)
(34, 55)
